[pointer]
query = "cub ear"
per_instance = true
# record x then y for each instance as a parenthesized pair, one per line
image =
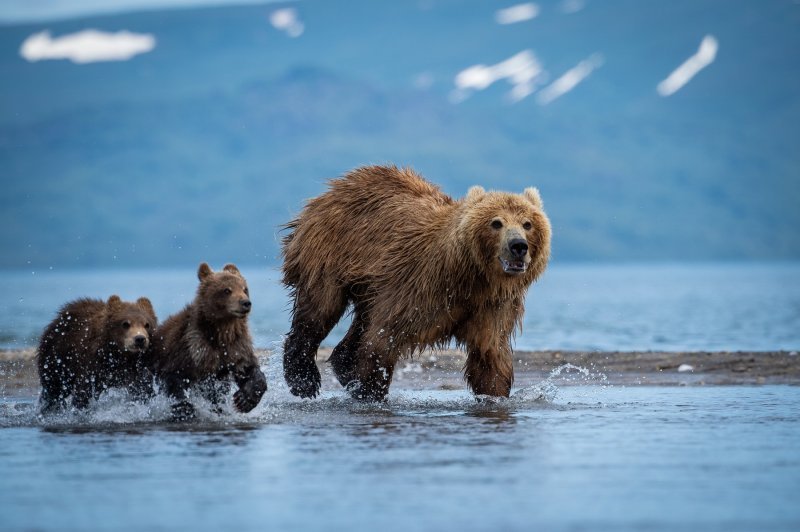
(114, 301)
(146, 306)
(532, 193)
(475, 192)
(204, 271)
(232, 268)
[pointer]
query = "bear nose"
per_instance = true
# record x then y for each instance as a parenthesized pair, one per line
(518, 247)
(140, 340)
(246, 304)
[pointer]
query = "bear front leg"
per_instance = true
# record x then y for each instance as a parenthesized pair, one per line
(141, 388)
(215, 389)
(252, 385)
(182, 410)
(82, 393)
(489, 372)
(53, 394)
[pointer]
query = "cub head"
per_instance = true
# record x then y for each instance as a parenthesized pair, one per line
(223, 295)
(129, 325)
(508, 235)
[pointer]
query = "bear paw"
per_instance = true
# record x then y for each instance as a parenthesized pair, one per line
(305, 383)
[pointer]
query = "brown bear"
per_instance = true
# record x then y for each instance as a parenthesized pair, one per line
(92, 345)
(419, 268)
(208, 342)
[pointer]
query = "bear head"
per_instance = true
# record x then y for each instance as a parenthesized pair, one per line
(129, 325)
(507, 235)
(223, 295)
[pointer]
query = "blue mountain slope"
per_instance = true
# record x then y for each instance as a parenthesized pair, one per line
(203, 147)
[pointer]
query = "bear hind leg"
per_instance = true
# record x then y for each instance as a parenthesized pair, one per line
(344, 357)
(373, 372)
(311, 323)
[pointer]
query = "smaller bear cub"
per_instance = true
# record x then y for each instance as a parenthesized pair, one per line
(92, 345)
(207, 343)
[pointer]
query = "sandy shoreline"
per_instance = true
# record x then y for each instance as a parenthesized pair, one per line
(442, 369)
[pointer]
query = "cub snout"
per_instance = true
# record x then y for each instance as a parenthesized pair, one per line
(140, 341)
(137, 342)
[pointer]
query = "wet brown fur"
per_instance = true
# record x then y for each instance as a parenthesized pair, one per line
(88, 348)
(208, 342)
(419, 268)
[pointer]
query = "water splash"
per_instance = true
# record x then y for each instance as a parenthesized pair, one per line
(547, 390)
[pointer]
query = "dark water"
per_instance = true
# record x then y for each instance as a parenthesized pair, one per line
(754, 307)
(582, 457)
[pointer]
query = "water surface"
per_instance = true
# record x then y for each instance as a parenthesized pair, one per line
(568, 458)
(668, 307)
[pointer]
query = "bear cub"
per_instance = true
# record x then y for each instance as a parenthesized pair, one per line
(93, 345)
(208, 343)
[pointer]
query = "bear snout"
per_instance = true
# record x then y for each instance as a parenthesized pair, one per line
(245, 305)
(140, 341)
(518, 248)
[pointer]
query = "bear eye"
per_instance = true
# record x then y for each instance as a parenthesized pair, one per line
(246, 291)
(126, 324)
(147, 325)
(497, 224)
(228, 291)
(527, 226)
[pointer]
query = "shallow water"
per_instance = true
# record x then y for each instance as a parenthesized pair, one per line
(551, 458)
(668, 307)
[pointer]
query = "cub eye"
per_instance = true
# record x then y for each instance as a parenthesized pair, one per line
(147, 326)
(246, 291)
(527, 226)
(497, 224)
(126, 324)
(228, 291)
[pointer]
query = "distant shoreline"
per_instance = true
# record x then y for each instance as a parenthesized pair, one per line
(442, 369)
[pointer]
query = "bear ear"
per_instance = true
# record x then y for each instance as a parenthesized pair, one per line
(114, 301)
(204, 271)
(232, 268)
(146, 306)
(475, 192)
(532, 193)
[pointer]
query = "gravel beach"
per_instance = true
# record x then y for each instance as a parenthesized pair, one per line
(442, 369)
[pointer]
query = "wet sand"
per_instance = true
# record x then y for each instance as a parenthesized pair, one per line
(442, 369)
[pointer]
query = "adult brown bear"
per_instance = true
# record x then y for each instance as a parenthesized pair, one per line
(419, 268)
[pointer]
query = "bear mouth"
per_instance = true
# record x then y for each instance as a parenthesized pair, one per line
(136, 349)
(513, 266)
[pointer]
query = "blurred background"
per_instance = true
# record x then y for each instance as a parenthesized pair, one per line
(141, 137)
(161, 133)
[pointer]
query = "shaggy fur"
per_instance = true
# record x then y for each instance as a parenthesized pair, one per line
(419, 268)
(208, 342)
(92, 345)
